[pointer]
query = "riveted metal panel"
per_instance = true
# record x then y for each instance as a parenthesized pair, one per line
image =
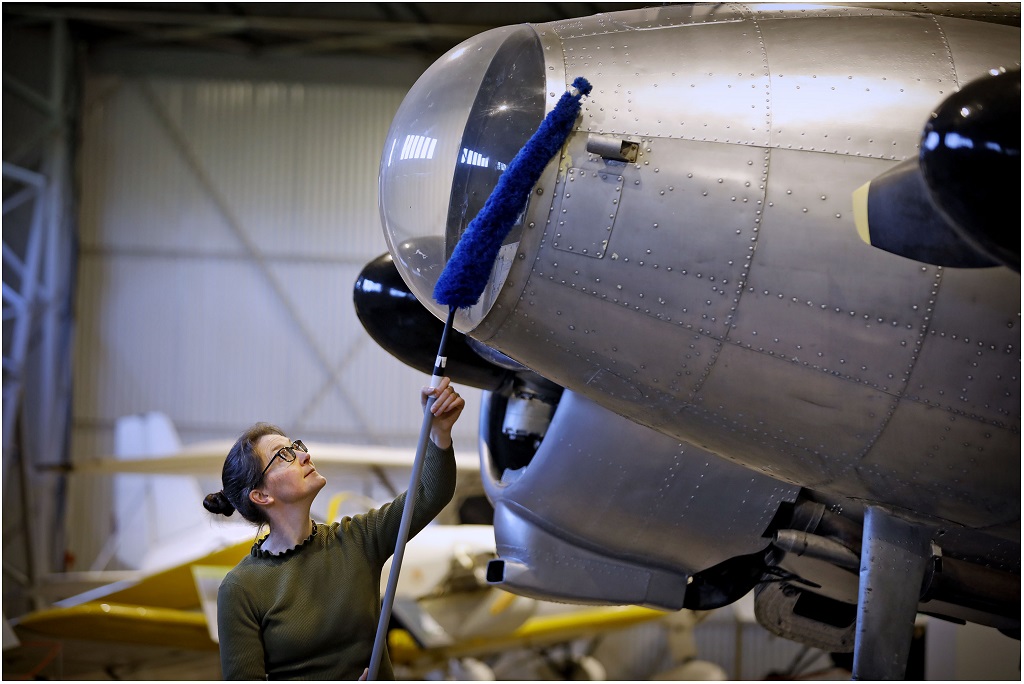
(1002, 47)
(618, 352)
(944, 468)
(710, 71)
(798, 424)
(795, 309)
(694, 215)
(584, 211)
(790, 11)
(650, 18)
(776, 324)
(974, 329)
(717, 246)
(880, 64)
(687, 485)
(808, 219)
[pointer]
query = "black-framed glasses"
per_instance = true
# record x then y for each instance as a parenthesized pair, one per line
(286, 454)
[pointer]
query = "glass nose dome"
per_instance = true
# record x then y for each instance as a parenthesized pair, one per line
(453, 136)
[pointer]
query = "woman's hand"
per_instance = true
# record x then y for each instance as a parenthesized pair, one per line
(446, 409)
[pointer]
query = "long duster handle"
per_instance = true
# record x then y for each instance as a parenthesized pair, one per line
(410, 502)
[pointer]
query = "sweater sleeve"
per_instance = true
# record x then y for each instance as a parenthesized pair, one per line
(436, 488)
(238, 630)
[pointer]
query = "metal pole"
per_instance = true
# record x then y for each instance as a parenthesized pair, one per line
(410, 503)
(22, 323)
(48, 429)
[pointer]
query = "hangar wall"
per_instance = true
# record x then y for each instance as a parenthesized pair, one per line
(223, 224)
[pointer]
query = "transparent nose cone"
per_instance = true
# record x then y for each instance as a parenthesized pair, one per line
(453, 136)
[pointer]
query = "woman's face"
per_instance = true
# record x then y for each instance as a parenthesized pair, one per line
(297, 481)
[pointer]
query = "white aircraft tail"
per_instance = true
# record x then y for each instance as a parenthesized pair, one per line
(10, 638)
(160, 520)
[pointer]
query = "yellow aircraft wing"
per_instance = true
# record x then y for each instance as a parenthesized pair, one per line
(120, 622)
(161, 609)
(166, 609)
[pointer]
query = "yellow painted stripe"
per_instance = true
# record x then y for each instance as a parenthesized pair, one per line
(502, 603)
(860, 212)
(335, 505)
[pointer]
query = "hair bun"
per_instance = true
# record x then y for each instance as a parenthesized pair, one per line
(218, 503)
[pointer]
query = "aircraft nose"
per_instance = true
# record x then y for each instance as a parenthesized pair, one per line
(453, 136)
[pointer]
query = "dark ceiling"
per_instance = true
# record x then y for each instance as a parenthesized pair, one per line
(357, 42)
(292, 29)
(426, 29)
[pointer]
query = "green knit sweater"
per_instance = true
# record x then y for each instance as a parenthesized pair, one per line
(312, 612)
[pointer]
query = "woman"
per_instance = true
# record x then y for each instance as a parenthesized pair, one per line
(305, 602)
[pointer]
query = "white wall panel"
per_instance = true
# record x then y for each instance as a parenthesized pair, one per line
(223, 225)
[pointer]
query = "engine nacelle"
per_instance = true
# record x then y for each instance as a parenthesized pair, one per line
(703, 511)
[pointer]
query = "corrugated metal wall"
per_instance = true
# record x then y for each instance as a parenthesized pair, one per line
(223, 225)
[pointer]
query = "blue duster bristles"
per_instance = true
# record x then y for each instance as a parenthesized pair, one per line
(465, 276)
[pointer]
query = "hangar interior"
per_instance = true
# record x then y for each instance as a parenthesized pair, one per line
(190, 193)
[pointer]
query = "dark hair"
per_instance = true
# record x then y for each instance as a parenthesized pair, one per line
(241, 474)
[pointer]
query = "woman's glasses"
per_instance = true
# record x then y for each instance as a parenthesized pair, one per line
(286, 454)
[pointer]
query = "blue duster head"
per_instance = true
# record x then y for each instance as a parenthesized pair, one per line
(465, 276)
